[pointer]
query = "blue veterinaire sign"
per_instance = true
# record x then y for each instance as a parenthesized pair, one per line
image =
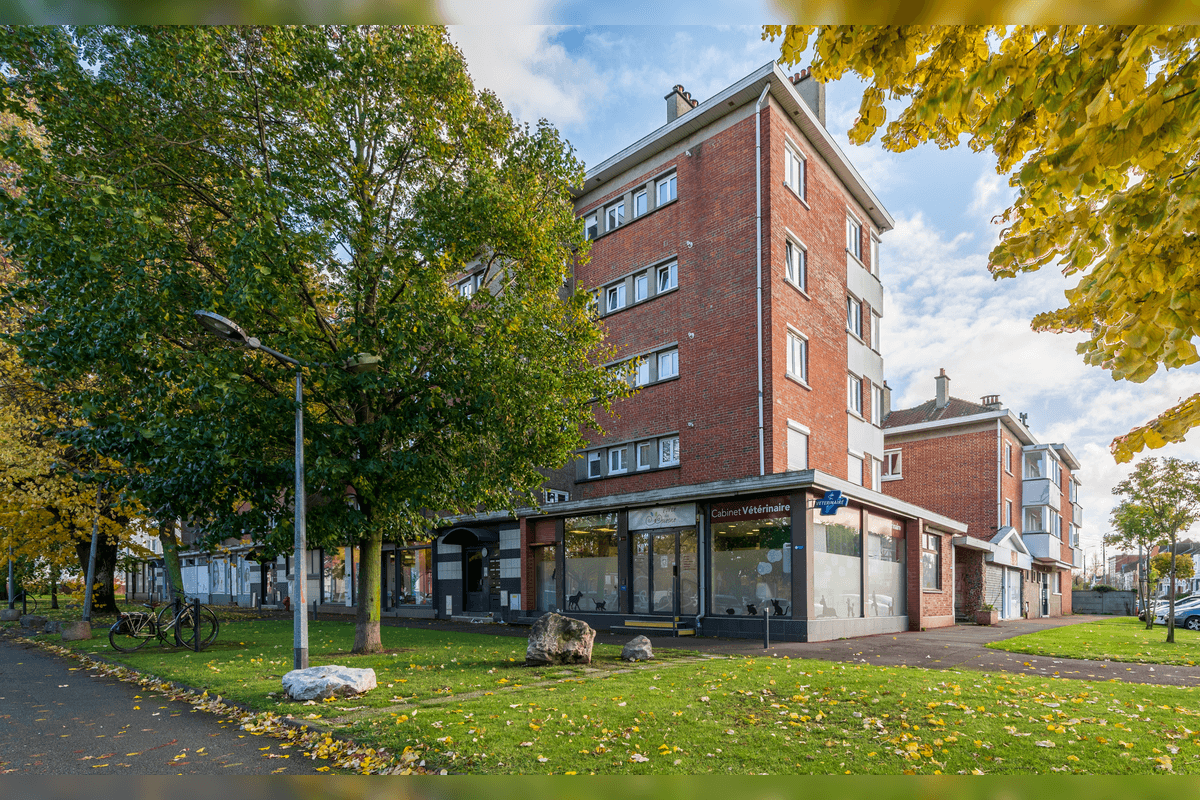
(831, 502)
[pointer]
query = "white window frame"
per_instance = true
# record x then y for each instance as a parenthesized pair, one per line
(1041, 525)
(874, 254)
(876, 405)
(854, 386)
(931, 543)
(645, 455)
(797, 349)
(614, 297)
(855, 469)
(795, 264)
(665, 190)
(1057, 582)
(1008, 450)
(854, 237)
(555, 496)
(641, 374)
(876, 474)
(668, 451)
(617, 461)
(893, 460)
(1008, 512)
(671, 359)
(643, 196)
(591, 225)
(876, 329)
(854, 315)
(641, 288)
(614, 215)
(595, 458)
(667, 277)
(795, 168)
(797, 434)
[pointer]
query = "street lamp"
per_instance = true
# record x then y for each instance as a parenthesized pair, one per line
(230, 331)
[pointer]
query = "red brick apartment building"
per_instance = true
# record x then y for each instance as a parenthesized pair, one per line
(978, 462)
(735, 268)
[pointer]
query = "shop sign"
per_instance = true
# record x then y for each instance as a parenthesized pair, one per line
(751, 509)
(641, 519)
(831, 501)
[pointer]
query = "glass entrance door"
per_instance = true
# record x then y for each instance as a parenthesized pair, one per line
(665, 572)
(475, 575)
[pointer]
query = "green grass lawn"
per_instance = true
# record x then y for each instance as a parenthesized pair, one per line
(1117, 639)
(467, 703)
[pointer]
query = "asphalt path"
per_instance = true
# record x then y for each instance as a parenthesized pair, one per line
(59, 718)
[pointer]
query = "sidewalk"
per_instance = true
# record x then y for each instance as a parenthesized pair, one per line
(958, 647)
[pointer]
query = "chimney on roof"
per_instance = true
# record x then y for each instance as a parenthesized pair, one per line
(887, 399)
(811, 92)
(991, 402)
(679, 103)
(943, 388)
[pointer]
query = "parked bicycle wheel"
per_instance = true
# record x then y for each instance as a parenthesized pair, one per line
(131, 631)
(166, 621)
(185, 628)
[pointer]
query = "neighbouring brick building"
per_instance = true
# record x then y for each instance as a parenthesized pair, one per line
(978, 462)
(735, 269)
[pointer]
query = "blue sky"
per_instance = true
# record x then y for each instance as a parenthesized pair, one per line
(603, 87)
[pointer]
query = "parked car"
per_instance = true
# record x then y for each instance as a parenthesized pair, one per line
(1187, 613)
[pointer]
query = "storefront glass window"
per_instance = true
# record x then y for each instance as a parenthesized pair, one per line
(590, 581)
(416, 576)
(334, 576)
(885, 568)
(543, 578)
(837, 563)
(752, 557)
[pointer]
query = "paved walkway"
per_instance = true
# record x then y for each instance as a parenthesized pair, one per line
(958, 647)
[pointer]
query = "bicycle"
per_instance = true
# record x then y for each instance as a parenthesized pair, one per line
(133, 629)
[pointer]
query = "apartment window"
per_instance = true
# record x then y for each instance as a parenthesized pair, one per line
(854, 237)
(1008, 457)
(1074, 490)
(794, 170)
(1055, 470)
(616, 297)
(1033, 465)
(797, 446)
(876, 405)
(854, 316)
(594, 467)
(666, 190)
(854, 394)
(641, 288)
(1033, 520)
(556, 496)
(1055, 527)
(616, 461)
(645, 455)
(876, 474)
(616, 215)
(639, 203)
(931, 561)
(591, 226)
(668, 451)
(466, 288)
(891, 465)
(1008, 513)
(854, 469)
(668, 364)
(874, 255)
(797, 356)
(875, 328)
(668, 277)
(1058, 583)
(797, 264)
(642, 376)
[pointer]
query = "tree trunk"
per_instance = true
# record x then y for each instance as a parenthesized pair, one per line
(170, 548)
(366, 623)
(1171, 601)
(104, 599)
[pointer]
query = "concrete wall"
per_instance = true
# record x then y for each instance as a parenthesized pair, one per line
(1116, 603)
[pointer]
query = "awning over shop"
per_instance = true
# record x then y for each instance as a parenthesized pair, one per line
(467, 537)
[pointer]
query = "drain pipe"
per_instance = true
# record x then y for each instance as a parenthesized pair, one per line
(762, 451)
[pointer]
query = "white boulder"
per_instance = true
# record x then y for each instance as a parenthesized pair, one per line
(331, 680)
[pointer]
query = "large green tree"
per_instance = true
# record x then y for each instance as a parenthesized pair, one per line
(1134, 528)
(324, 188)
(1167, 492)
(1098, 128)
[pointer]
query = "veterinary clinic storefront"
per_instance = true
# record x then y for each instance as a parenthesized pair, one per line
(715, 556)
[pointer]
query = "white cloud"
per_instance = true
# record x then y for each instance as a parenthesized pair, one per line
(991, 195)
(533, 76)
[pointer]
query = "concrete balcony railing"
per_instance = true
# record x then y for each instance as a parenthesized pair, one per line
(1077, 557)
(1043, 545)
(1041, 492)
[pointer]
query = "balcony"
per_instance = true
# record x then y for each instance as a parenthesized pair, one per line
(1041, 492)
(1077, 557)
(1077, 514)
(1043, 545)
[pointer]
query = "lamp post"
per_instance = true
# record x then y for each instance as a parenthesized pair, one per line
(230, 331)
